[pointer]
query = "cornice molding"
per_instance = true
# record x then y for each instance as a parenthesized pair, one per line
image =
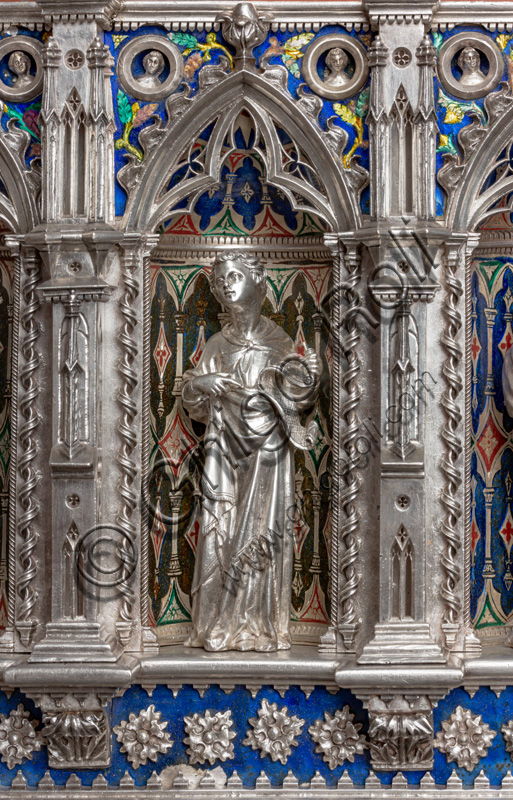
(311, 14)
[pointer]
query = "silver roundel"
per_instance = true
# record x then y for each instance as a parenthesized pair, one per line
(25, 66)
(479, 61)
(337, 83)
(159, 54)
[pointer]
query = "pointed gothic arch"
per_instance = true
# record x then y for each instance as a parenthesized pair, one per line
(18, 204)
(339, 205)
(472, 202)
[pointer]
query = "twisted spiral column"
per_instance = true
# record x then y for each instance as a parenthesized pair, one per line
(345, 545)
(451, 460)
(349, 622)
(128, 434)
(27, 530)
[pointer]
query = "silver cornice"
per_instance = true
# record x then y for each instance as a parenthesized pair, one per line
(190, 248)
(492, 15)
(286, 12)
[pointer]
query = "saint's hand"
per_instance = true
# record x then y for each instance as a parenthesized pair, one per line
(215, 384)
(313, 362)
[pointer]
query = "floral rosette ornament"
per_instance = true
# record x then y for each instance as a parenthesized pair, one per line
(209, 737)
(465, 738)
(274, 732)
(337, 738)
(143, 737)
(18, 739)
(507, 732)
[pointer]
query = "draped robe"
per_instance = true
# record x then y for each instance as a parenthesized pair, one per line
(243, 571)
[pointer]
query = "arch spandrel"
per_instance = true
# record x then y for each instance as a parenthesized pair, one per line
(230, 96)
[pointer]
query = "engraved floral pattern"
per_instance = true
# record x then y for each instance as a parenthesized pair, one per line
(274, 732)
(143, 737)
(18, 739)
(209, 737)
(465, 738)
(338, 737)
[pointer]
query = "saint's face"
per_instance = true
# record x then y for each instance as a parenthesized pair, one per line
(470, 60)
(19, 64)
(337, 61)
(233, 283)
(152, 64)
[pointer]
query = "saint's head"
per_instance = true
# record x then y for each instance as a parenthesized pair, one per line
(238, 278)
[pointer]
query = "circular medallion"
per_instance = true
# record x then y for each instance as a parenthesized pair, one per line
(74, 59)
(152, 57)
(401, 57)
(22, 79)
(344, 61)
(470, 65)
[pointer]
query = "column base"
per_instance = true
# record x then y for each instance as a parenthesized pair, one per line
(402, 643)
(73, 641)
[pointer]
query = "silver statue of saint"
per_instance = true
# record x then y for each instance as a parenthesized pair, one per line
(469, 61)
(336, 63)
(248, 388)
(153, 64)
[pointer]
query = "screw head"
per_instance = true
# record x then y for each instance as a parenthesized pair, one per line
(72, 500)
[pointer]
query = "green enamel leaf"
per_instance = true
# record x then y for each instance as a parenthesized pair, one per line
(124, 107)
(292, 66)
(362, 104)
(437, 40)
(184, 39)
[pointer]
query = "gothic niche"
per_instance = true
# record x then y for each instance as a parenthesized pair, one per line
(244, 209)
(491, 466)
